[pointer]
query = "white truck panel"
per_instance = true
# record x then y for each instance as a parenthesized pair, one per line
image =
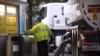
(58, 18)
(55, 19)
(72, 13)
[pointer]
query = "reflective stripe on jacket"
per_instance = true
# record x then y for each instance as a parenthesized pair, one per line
(41, 32)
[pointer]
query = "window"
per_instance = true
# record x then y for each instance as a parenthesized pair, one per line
(8, 19)
(43, 12)
(11, 10)
(2, 9)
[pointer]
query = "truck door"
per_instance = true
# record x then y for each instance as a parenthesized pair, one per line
(58, 17)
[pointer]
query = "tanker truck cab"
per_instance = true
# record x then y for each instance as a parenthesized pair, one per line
(53, 15)
(57, 16)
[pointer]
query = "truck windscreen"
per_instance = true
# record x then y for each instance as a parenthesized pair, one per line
(43, 12)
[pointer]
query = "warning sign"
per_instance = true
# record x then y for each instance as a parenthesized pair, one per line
(94, 8)
(94, 16)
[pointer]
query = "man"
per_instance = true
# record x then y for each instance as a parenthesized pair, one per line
(41, 34)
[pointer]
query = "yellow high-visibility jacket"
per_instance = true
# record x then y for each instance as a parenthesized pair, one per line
(41, 32)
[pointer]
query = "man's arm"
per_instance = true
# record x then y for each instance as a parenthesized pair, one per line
(30, 31)
(33, 30)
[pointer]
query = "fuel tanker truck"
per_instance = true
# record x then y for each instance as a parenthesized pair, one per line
(61, 17)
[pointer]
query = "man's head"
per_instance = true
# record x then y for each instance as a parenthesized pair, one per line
(37, 20)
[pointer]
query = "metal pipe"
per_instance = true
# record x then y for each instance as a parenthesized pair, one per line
(61, 47)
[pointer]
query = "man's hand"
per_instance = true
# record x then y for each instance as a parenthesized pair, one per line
(27, 32)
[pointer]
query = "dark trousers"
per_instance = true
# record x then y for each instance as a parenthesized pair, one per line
(42, 48)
